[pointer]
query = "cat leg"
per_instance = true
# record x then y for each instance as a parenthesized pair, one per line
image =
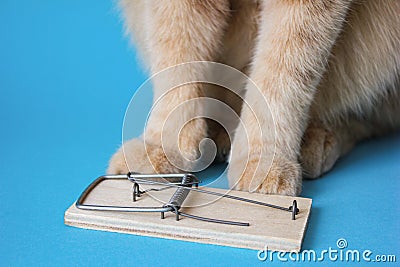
(364, 64)
(176, 32)
(294, 43)
(358, 96)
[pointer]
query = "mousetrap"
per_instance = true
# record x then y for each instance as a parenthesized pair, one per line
(144, 204)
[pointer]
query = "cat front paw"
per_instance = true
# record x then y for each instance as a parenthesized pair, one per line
(283, 177)
(137, 156)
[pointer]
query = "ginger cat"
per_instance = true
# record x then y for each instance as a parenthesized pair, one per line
(328, 70)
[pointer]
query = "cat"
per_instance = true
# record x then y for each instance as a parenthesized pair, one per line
(327, 69)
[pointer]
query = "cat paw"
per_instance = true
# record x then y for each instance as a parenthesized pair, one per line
(319, 152)
(282, 178)
(136, 156)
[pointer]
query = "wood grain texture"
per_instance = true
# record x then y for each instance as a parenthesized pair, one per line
(268, 226)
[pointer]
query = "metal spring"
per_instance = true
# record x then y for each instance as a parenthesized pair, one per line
(180, 195)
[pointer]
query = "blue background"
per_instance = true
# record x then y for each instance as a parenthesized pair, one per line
(66, 76)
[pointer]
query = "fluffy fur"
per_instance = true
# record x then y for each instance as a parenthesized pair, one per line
(329, 70)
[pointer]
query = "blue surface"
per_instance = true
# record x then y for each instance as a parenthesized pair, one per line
(66, 77)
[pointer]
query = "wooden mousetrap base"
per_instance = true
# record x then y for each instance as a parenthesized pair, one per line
(268, 227)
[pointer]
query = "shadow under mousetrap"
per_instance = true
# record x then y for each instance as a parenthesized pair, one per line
(139, 204)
